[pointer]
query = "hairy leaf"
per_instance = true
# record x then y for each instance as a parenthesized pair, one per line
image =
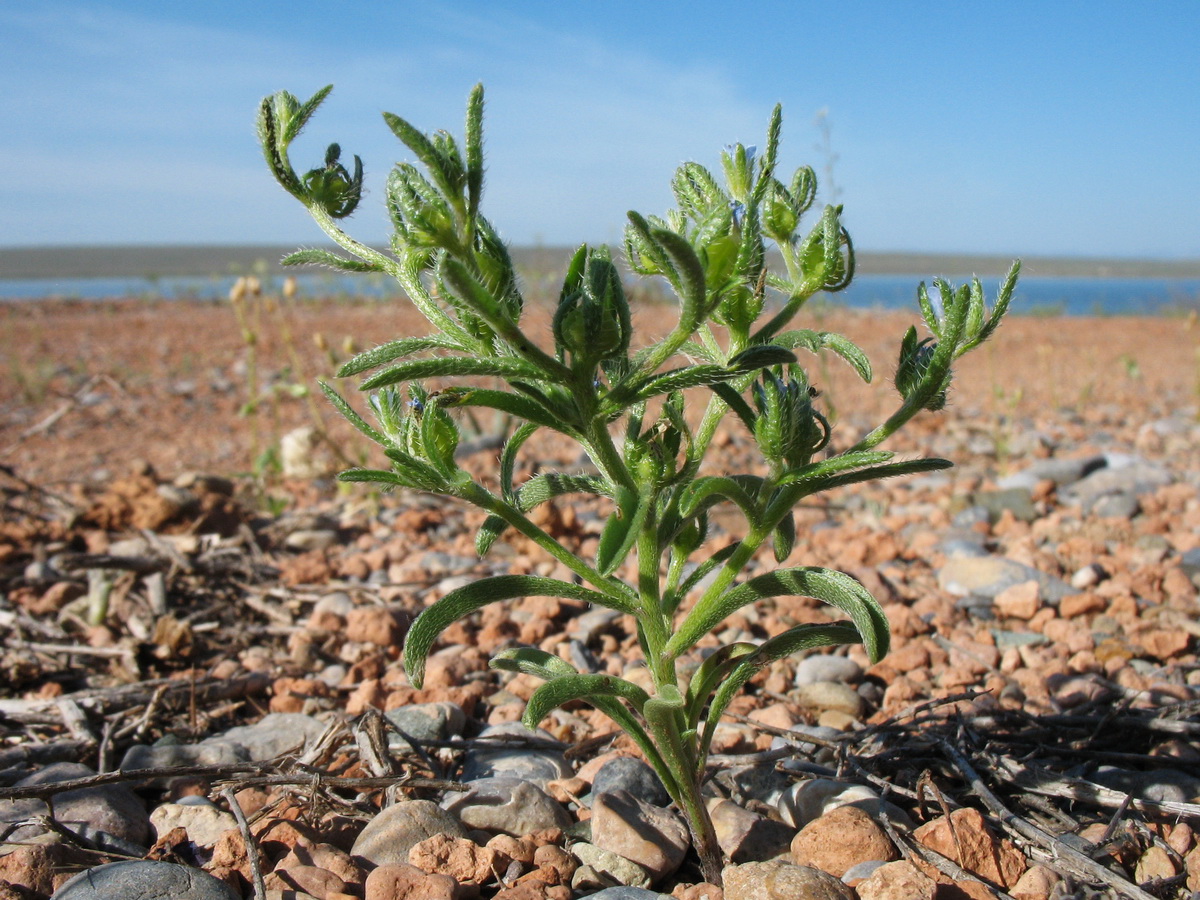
(835, 588)
(465, 600)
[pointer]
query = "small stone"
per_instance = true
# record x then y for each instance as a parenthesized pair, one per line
(506, 805)
(998, 861)
(807, 801)
(1020, 601)
(390, 835)
(746, 836)
(144, 878)
(1088, 576)
(405, 882)
(1163, 785)
(778, 880)
(427, 722)
(626, 892)
(653, 837)
(463, 860)
(608, 865)
(827, 667)
(373, 625)
(312, 880)
(627, 773)
(841, 838)
(899, 880)
(113, 809)
(536, 765)
(829, 695)
(204, 823)
(987, 576)
(275, 734)
(1036, 884)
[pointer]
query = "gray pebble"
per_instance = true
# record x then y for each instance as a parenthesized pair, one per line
(1116, 506)
(390, 835)
(626, 892)
(109, 809)
(274, 735)
(506, 806)
(523, 763)
(626, 773)
(426, 722)
(1167, 785)
(988, 576)
(144, 878)
(827, 667)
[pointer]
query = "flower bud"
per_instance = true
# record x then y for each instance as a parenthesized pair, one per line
(788, 428)
(592, 320)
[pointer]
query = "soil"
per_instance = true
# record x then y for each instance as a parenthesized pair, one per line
(162, 424)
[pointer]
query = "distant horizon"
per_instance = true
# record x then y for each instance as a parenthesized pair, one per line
(948, 128)
(204, 260)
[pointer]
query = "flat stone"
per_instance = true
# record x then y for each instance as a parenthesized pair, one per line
(1123, 475)
(652, 836)
(275, 734)
(1164, 785)
(746, 836)
(427, 722)
(144, 878)
(823, 696)
(390, 835)
(989, 575)
(625, 892)
(842, 838)
(506, 806)
(112, 809)
(778, 880)
(1060, 471)
(204, 823)
(611, 865)
(627, 773)
(827, 667)
(525, 763)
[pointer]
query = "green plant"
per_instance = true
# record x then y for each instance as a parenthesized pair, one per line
(625, 406)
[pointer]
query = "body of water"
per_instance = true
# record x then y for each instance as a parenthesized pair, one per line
(1034, 296)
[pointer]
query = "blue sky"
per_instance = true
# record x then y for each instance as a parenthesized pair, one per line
(1033, 128)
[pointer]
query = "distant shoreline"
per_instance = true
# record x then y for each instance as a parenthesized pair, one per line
(204, 261)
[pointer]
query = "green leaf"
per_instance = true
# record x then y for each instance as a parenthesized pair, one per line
(302, 114)
(856, 460)
(522, 407)
(565, 688)
(706, 491)
(354, 418)
(452, 366)
(491, 529)
(508, 458)
(540, 664)
(835, 588)
(373, 475)
(783, 538)
(691, 286)
(761, 356)
(547, 486)
(705, 567)
(817, 341)
(466, 600)
(621, 531)
(316, 257)
(891, 470)
(385, 353)
(532, 661)
(794, 640)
